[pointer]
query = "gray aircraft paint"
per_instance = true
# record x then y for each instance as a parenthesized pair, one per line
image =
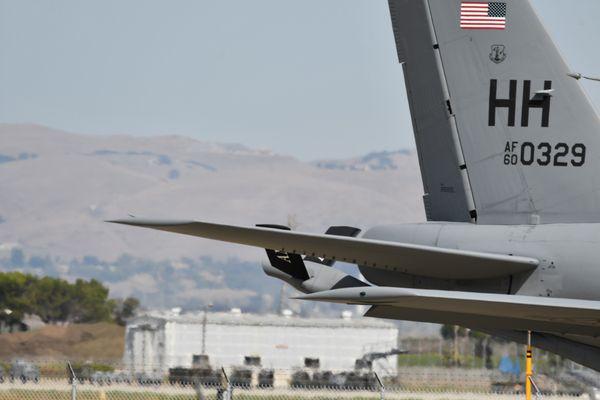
(386, 255)
(568, 316)
(568, 254)
(503, 194)
(581, 349)
(445, 194)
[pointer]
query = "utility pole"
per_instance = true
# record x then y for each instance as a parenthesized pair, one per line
(204, 320)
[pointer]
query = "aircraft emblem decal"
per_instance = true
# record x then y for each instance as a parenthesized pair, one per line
(498, 53)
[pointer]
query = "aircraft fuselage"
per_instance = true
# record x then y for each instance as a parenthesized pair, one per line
(568, 253)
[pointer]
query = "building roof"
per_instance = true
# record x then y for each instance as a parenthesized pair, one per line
(236, 318)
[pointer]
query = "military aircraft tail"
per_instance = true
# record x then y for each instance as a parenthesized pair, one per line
(504, 134)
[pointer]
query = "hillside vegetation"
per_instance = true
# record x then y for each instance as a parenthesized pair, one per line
(55, 300)
(58, 188)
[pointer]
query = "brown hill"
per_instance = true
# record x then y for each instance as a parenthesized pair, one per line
(78, 342)
(59, 187)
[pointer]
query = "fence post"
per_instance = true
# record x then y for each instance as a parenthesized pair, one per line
(229, 391)
(381, 387)
(73, 381)
(198, 388)
(225, 392)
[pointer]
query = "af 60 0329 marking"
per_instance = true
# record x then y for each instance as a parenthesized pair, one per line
(545, 154)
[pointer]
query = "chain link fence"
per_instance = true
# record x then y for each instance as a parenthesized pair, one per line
(33, 381)
(52, 389)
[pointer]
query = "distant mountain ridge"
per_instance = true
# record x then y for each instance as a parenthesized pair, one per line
(377, 161)
(59, 187)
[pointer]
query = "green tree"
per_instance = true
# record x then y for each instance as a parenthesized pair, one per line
(50, 299)
(13, 289)
(447, 331)
(56, 300)
(125, 309)
(53, 300)
(89, 302)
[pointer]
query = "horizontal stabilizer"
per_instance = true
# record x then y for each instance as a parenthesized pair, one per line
(483, 310)
(428, 261)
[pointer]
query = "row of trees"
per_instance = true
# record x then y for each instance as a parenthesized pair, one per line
(57, 301)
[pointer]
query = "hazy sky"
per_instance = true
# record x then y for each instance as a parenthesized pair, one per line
(310, 78)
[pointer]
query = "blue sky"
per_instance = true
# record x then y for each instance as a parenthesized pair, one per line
(308, 78)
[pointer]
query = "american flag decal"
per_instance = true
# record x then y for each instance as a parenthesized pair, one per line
(482, 15)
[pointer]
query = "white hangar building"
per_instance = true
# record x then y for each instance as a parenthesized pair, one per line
(157, 341)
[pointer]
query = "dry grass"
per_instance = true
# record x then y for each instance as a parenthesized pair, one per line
(78, 342)
(19, 394)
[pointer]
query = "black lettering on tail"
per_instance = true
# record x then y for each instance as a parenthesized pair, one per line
(510, 103)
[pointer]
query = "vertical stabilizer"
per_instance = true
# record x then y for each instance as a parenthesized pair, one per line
(504, 134)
